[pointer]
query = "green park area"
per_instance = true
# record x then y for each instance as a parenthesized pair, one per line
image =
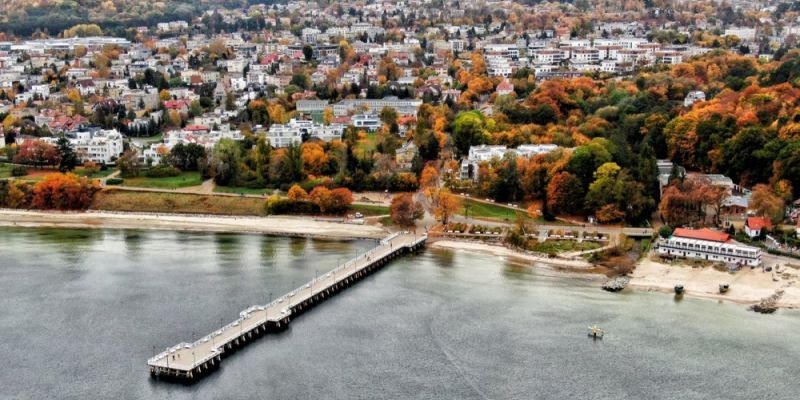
(184, 179)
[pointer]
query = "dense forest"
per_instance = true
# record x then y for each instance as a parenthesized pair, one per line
(26, 17)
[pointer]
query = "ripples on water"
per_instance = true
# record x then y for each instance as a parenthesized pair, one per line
(82, 310)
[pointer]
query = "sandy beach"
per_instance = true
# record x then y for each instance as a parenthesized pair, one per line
(503, 251)
(274, 225)
(748, 286)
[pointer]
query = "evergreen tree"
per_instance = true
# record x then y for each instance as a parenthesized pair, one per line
(69, 159)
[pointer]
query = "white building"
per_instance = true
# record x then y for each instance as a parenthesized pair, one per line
(201, 135)
(478, 154)
(548, 56)
(370, 122)
(298, 131)
(97, 145)
(498, 66)
(705, 244)
(743, 33)
(693, 97)
(402, 106)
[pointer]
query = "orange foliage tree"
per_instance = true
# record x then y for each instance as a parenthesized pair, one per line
(331, 201)
(404, 210)
(445, 205)
(64, 192)
(315, 160)
(297, 193)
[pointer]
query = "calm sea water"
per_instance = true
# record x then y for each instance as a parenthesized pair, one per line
(82, 310)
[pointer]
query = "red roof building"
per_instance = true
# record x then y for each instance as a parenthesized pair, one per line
(708, 245)
(702, 234)
(755, 225)
(505, 88)
(196, 128)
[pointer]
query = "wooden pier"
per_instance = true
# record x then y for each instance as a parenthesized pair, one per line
(188, 362)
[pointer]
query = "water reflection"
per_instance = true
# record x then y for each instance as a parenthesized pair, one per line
(133, 243)
(441, 257)
(269, 250)
(229, 249)
(297, 246)
(69, 244)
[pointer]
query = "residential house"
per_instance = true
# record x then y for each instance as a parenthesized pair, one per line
(754, 226)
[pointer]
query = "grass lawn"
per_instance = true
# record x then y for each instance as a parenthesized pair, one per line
(369, 209)
(185, 179)
(152, 139)
(5, 170)
(243, 190)
(365, 146)
(123, 200)
(562, 246)
(479, 209)
(98, 175)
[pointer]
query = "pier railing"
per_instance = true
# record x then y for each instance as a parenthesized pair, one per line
(190, 361)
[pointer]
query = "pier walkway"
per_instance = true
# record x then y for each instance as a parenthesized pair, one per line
(191, 361)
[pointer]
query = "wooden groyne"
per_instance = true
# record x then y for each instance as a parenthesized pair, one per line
(189, 362)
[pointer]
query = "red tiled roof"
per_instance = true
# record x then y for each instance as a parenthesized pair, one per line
(701, 234)
(176, 104)
(269, 59)
(505, 85)
(759, 223)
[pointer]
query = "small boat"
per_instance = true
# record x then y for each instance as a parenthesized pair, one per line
(723, 287)
(595, 332)
(679, 289)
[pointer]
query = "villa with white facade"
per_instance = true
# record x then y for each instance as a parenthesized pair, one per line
(97, 145)
(296, 131)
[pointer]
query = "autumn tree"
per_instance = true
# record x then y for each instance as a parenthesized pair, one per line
(445, 205)
(315, 160)
(129, 164)
(331, 201)
(564, 194)
(38, 153)
(404, 210)
(683, 201)
(297, 193)
(63, 192)
(766, 203)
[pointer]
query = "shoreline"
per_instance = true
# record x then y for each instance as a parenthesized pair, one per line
(502, 251)
(748, 287)
(270, 225)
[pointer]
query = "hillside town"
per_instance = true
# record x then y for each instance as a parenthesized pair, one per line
(403, 199)
(640, 115)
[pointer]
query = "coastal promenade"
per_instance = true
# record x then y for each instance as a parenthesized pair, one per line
(192, 361)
